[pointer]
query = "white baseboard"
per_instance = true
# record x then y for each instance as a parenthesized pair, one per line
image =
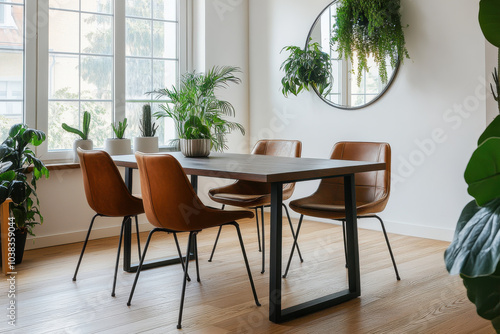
(68, 238)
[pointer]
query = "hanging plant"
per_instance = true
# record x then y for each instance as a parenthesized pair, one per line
(306, 68)
(365, 28)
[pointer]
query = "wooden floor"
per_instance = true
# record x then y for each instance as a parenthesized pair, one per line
(426, 300)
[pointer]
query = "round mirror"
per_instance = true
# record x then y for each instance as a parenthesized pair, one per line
(345, 92)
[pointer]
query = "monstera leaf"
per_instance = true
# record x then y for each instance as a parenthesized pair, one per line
(489, 20)
(483, 172)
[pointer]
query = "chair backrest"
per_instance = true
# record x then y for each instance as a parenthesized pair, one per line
(371, 187)
(105, 189)
(278, 147)
(274, 147)
(169, 199)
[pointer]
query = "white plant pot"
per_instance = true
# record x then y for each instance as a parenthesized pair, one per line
(195, 147)
(115, 146)
(86, 144)
(146, 144)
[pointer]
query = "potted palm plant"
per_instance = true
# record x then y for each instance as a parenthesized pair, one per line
(84, 142)
(119, 145)
(147, 143)
(18, 161)
(199, 116)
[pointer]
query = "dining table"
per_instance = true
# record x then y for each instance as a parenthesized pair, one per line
(276, 171)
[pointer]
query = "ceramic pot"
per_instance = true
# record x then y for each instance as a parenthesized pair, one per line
(84, 144)
(195, 147)
(115, 146)
(146, 144)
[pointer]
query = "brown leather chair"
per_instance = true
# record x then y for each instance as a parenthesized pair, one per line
(372, 191)
(172, 206)
(257, 195)
(108, 196)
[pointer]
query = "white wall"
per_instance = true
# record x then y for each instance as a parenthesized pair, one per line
(439, 91)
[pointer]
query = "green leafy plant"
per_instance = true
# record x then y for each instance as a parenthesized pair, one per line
(84, 134)
(365, 28)
(147, 127)
(16, 159)
(196, 110)
(489, 20)
(119, 129)
(475, 250)
(305, 68)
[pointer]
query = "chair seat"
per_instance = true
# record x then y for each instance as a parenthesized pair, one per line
(132, 206)
(315, 207)
(247, 197)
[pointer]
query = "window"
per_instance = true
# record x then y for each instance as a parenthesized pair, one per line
(152, 58)
(80, 69)
(12, 69)
(102, 56)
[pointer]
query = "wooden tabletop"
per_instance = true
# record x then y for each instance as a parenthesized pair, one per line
(262, 168)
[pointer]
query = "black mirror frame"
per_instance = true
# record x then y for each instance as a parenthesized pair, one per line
(389, 83)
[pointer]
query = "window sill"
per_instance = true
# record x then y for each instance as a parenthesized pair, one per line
(69, 164)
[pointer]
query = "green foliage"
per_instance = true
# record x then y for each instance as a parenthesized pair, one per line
(147, 127)
(119, 129)
(84, 134)
(15, 158)
(489, 20)
(196, 110)
(483, 172)
(370, 28)
(475, 253)
(306, 68)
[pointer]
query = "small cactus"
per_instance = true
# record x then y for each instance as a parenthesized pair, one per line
(120, 129)
(147, 127)
(86, 127)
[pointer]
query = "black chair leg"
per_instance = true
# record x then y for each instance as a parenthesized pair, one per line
(263, 241)
(140, 265)
(389, 247)
(258, 228)
(293, 231)
(84, 246)
(195, 244)
(344, 237)
(118, 254)
(246, 262)
(294, 245)
(191, 234)
(216, 239)
(215, 244)
(180, 254)
(138, 236)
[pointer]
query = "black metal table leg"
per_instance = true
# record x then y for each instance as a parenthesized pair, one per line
(276, 313)
(127, 228)
(352, 235)
(194, 182)
(275, 253)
